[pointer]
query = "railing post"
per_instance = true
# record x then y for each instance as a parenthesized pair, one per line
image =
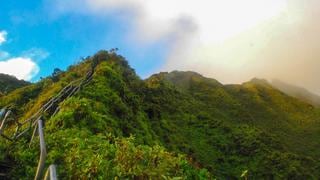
(2, 125)
(51, 173)
(43, 152)
(2, 111)
(33, 134)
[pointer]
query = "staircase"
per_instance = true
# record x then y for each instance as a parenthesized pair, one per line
(4, 169)
(35, 123)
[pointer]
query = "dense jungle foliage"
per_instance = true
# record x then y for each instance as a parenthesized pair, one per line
(172, 125)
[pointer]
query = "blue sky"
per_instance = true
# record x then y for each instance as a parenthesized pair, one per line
(230, 40)
(32, 29)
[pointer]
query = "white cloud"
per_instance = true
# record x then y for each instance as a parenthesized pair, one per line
(22, 68)
(230, 40)
(3, 36)
(191, 26)
(216, 20)
(36, 54)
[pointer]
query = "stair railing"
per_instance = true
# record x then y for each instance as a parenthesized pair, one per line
(43, 152)
(3, 124)
(36, 123)
(68, 91)
(51, 173)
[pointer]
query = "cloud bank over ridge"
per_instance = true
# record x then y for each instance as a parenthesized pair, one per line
(230, 40)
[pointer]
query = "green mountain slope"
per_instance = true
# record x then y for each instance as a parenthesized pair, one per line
(236, 127)
(181, 122)
(9, 83)
(297, 92)
(90, 137)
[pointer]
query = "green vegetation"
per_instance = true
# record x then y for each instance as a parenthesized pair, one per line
(297, 92)
(171, 125)
(9, 83)
(80, 154)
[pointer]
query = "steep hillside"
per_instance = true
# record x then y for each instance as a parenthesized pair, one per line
(100, 132)
(9, 83)
(177, 124)
(297, 92)
(236, 127)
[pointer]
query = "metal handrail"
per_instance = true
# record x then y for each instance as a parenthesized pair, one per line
(51, 173)
(2, 126)
(2, 111)
(36, 122)
(4, 121)
(43, 152)
(69, 91)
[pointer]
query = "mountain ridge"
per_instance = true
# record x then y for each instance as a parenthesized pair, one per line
(9, 83)
(225, 129)
(297, 92)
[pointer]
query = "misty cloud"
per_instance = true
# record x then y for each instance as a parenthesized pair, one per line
(36, 54)
(232, 41)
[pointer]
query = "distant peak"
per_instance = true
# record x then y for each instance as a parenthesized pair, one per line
(259, 81)
(185, 73)
(297, 92)
(184, 79)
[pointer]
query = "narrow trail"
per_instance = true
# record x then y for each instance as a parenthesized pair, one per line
(35, 123)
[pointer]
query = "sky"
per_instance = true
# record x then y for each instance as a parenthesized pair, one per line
(232, 41)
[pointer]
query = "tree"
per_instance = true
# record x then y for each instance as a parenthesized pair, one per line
(55, 74)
